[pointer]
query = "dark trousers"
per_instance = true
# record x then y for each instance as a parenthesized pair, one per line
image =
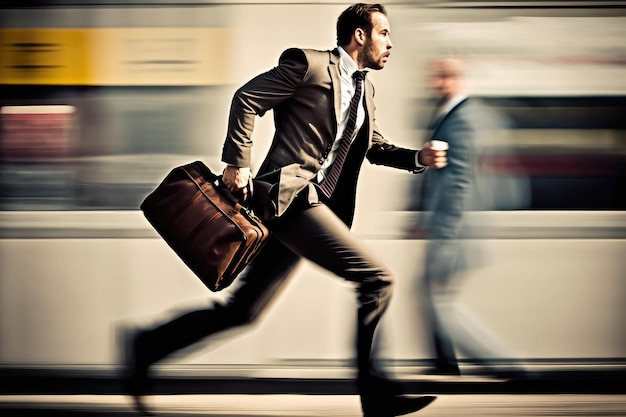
(311, 232)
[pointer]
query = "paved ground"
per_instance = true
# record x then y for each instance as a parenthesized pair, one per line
(510, 405)
(565, 393)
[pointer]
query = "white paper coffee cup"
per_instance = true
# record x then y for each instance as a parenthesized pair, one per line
(438, 145)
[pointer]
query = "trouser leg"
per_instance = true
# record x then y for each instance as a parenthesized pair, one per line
(441, 267)
(252, 292)
(445, 357)
(316, 234)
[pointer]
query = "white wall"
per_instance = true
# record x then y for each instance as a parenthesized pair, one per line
(62, 298)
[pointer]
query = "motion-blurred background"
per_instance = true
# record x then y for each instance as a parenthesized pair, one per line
(100, 99)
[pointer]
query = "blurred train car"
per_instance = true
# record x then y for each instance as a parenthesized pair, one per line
(101, 99)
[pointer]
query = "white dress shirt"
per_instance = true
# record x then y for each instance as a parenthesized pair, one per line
(347, 67)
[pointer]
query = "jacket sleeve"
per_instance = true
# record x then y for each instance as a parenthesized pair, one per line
(393, 156)
(382, 152)
(255, 98)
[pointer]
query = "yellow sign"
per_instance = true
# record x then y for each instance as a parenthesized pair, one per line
(43, 56)
(115, 56)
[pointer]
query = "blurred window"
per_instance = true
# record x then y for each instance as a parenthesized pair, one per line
(571, 149)
(107, 149)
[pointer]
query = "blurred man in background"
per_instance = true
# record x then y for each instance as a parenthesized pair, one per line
(466, 126)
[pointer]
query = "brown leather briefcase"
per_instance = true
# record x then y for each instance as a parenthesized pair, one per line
(207, 227)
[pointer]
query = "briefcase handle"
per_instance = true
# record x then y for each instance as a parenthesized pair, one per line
(216, 180)
(238, 197)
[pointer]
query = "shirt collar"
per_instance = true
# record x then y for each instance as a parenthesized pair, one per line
(346, 63)
(454, 101)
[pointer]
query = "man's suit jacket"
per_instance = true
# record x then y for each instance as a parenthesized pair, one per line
(471, 129)
(451, 191)
(304, 93)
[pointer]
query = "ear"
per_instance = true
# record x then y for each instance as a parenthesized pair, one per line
(359, 35)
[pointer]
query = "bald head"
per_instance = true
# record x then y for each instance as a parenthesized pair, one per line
(447, 76)
(450, 67)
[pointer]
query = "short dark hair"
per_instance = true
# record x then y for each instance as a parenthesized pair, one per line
(356, 16)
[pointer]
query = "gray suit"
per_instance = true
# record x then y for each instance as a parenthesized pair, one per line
(303, 93)
(452, 248)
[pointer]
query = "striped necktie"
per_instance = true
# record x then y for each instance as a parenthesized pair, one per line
(329, 183)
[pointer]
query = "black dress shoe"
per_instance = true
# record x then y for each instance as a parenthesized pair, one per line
(381, 397)
(514, 370)
(406, 405)
(395, 406)
(135, 379)
(437, 370)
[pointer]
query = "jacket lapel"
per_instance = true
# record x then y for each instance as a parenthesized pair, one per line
(333, 69)
(369, 109)
(444, 116)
